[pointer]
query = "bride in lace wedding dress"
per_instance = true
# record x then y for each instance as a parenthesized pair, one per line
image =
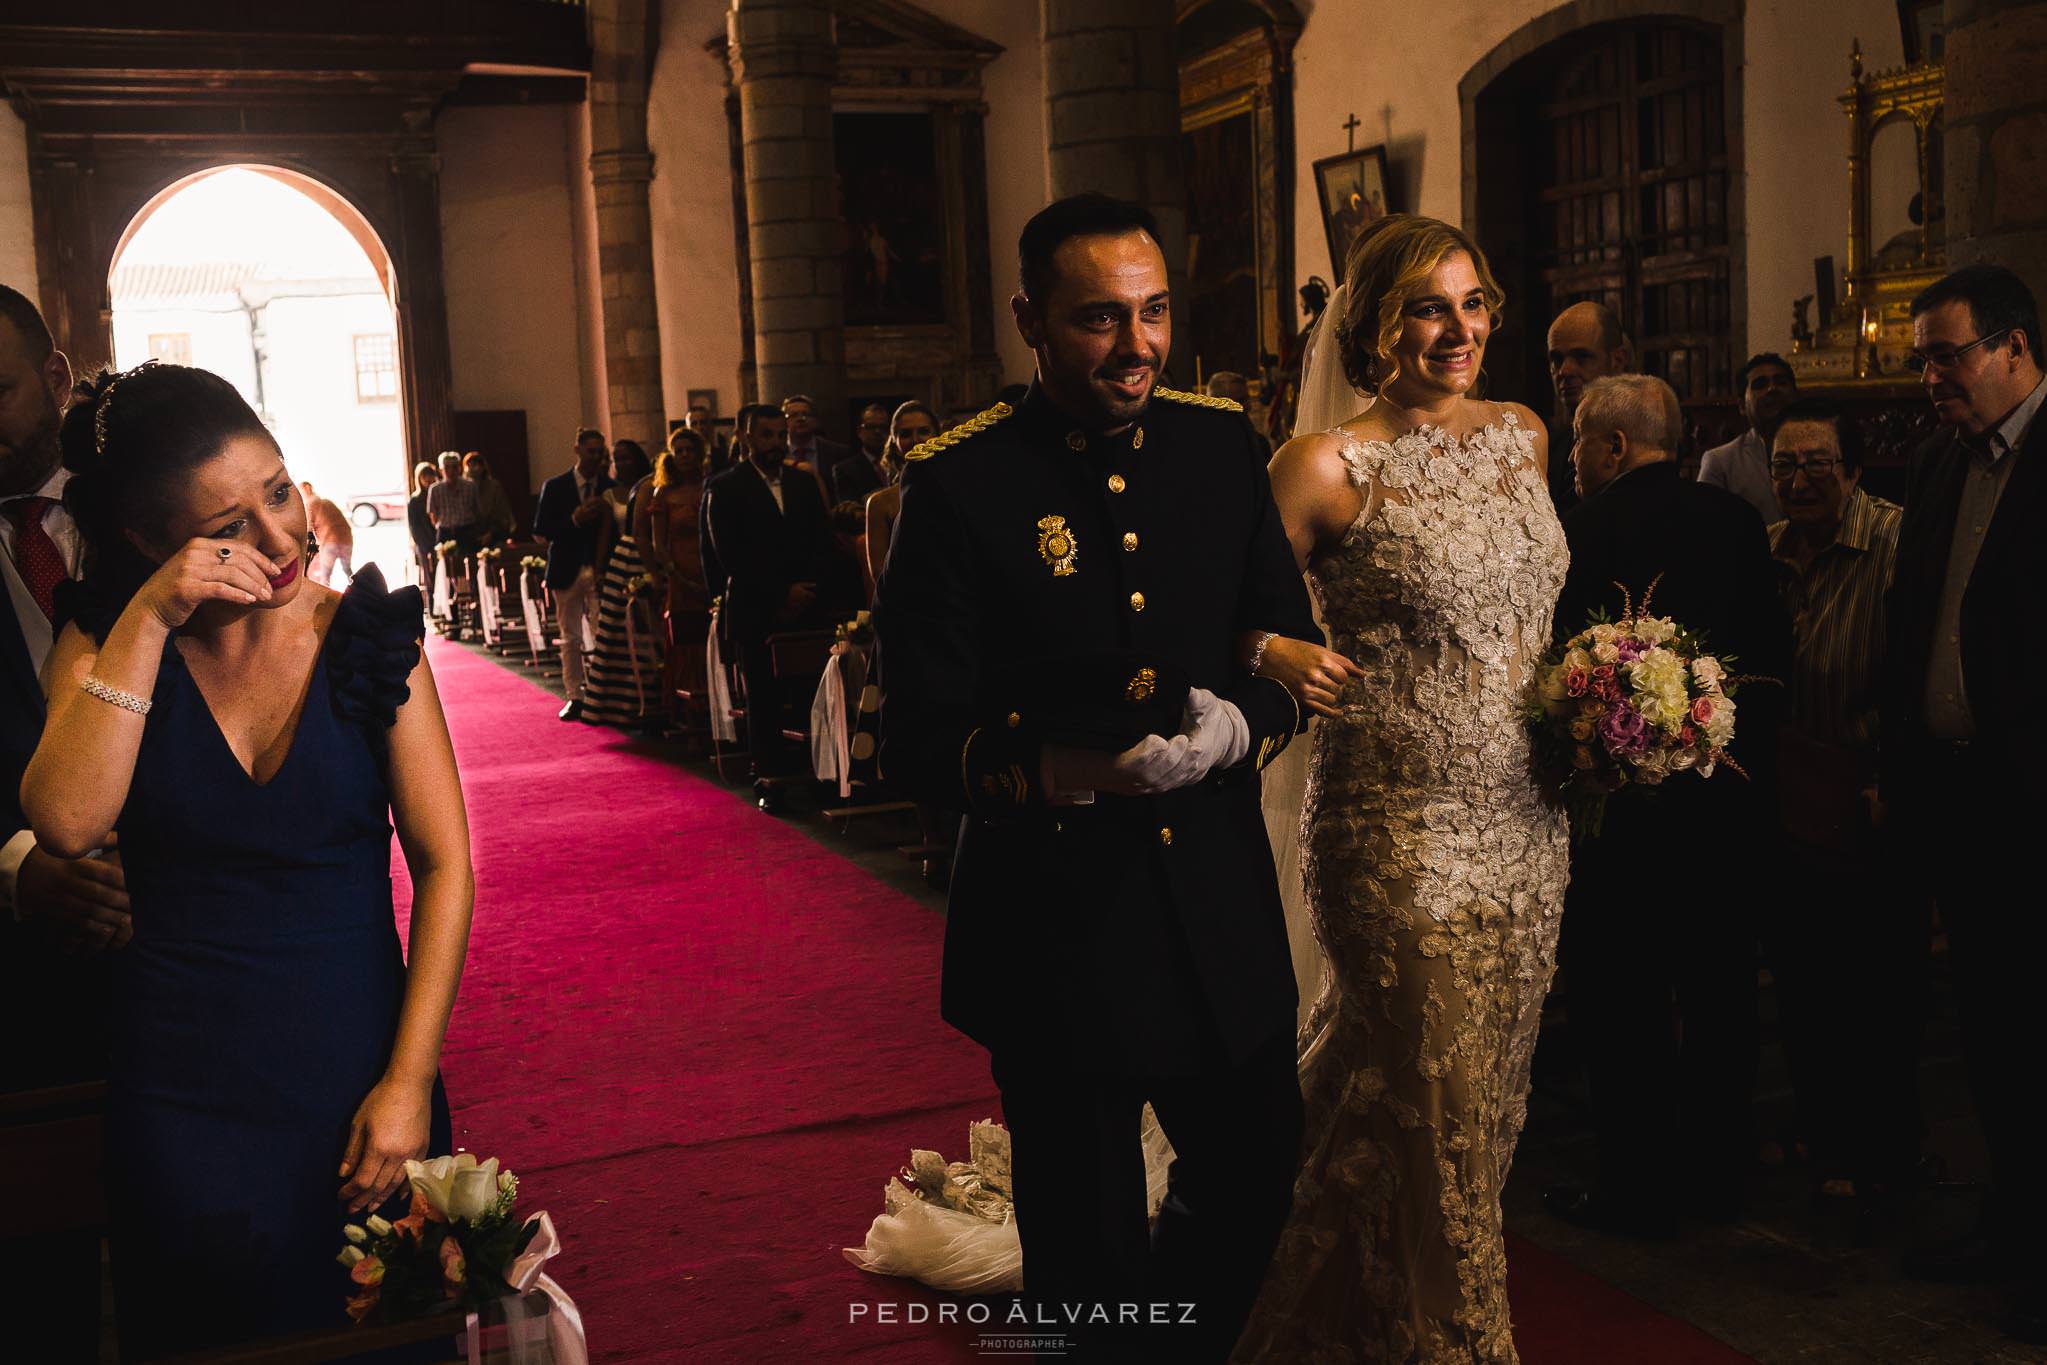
(1434, 868)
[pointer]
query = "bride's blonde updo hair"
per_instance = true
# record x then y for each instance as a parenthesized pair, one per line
(1389, 264)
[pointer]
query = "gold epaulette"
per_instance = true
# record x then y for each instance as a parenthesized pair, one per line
(1199, 400)
(973, 426)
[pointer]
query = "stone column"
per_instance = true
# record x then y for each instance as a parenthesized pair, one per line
(783, 64)
(1112, 108)
(422, 304)
(1995, 115)
(622, 44)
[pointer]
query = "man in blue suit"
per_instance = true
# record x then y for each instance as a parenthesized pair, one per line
(570, 510)
(58, 919)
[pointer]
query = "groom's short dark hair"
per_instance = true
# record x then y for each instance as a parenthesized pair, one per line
(1059, 222)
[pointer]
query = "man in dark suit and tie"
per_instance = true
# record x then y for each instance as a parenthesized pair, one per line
(58, 919)
(862, 472)
(767, 557)
(567, 517)
(1963, 743)
(1670, 1103)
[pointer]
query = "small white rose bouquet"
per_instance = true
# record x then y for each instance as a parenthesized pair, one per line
(1630, 703)
(533, 562)
(493, 553)
(457, 1245)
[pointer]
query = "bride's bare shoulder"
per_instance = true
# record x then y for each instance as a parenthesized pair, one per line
(1311, 457)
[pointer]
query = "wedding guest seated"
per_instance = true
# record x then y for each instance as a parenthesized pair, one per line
(275, 1056)
(1742, 466)
(1963, 746)
(768, 558)
(454, 505)
(494, 519)
(860, 473)
(1670, 1087)
(1586, 342)
(1846, 941)
(910, 426)
(424, 476)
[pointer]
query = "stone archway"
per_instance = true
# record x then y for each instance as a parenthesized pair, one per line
(88, 202)
(273, 281)
(1495, 96)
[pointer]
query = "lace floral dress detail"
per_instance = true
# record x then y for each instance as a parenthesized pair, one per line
(1435, 874)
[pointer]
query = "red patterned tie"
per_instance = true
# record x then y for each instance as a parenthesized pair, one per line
(36, 556)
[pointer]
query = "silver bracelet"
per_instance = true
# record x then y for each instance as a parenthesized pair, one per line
(127, 701)
(1265, 637)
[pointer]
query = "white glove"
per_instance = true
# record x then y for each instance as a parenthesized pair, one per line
(1213, 735)
(1216, 729)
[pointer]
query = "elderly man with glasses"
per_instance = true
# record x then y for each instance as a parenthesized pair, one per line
(1963, 741)
(1848, 950)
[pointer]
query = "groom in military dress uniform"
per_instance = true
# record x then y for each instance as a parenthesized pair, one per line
(1065, 616)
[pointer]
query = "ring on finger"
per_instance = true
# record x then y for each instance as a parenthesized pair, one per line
(226, 552)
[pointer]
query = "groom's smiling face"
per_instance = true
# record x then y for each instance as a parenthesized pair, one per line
(1104, 328)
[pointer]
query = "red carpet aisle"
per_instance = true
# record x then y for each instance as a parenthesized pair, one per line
(704, 1042)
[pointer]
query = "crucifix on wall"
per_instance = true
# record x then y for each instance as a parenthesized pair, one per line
(1350, 133)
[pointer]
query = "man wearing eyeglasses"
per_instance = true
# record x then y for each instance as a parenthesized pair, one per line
(1963, 742)
(1847, 951)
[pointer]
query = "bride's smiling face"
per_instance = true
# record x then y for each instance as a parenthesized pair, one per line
(1444, 326)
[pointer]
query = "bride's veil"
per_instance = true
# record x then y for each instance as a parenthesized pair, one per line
(1327, 400)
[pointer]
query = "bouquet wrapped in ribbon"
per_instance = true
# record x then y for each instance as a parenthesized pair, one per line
(460, 1245)
(1627, 703)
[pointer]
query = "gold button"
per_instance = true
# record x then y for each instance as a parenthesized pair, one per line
(1075, 441)
(1130, 540)
(1165, 834)
(1014, 720)
(1116, 484)
(1137, 601)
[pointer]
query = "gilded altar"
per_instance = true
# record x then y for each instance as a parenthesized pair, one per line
(1862, 348)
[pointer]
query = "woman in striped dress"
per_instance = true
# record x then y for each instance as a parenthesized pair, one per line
(622, 678)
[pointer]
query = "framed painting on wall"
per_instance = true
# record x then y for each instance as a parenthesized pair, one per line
(1352, 189)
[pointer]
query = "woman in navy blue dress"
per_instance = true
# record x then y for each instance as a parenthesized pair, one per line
(253, 738)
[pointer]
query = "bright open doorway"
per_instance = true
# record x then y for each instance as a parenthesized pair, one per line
(273, 282)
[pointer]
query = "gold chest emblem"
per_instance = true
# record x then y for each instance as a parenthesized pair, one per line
(1143, 686)
(1057, 545)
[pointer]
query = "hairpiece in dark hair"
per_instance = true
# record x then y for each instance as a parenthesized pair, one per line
(129, 438)
(16, 308)
(1847, 431)
(1059, 222)
(1998, 300)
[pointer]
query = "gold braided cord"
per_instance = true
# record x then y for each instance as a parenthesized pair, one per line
(973, 426)
(1199, 400)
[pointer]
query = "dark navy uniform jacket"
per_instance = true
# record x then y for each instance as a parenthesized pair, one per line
(1039, 575)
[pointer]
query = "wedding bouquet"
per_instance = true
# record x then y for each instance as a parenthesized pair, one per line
(456, 1246)
(1630, 703)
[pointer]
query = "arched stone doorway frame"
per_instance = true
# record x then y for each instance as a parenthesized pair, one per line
(337, 206)
(86, 210)
(1724, 15)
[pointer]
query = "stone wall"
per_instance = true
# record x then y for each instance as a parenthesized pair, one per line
(1997, 135)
